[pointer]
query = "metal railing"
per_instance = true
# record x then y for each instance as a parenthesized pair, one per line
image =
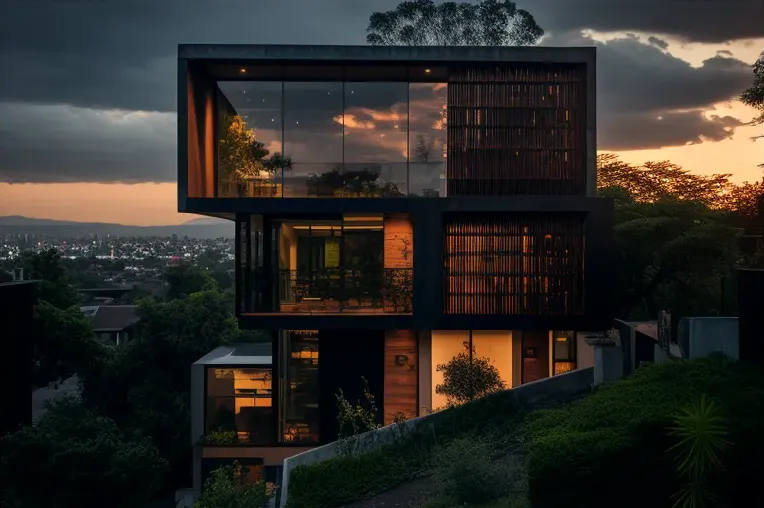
(385, 290)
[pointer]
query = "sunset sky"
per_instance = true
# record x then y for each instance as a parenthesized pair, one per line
(87, 122)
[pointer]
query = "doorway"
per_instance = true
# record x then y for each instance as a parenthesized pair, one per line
(347, 356)
(535, 355)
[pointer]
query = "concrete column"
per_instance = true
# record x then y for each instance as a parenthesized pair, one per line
(608, 361)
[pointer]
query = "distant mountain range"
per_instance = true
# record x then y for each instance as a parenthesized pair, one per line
(201, 228)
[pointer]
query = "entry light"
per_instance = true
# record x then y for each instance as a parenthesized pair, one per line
(243, 70)
(427, 71)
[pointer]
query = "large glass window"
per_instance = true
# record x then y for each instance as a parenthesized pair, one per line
(447, 345)
(376, 137)
(427, 138)
(312, 134)
(564, 345)
(239, 405)
(300, 412)
(249, 139)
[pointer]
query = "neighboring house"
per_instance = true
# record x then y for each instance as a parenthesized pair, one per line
(112, 324)
(16, 316)
(423, 200)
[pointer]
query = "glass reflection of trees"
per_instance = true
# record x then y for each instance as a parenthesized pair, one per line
(351, 183)
(246, 168)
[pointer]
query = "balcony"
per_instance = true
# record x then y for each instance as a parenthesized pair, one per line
(330, 291)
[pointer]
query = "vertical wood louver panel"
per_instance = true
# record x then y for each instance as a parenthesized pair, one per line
(518, 264)
(516, 130)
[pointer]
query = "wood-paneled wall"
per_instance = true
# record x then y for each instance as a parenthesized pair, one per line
(516, 130)
(399, 242)
(401, 376)
(201, 139)
(518, 264)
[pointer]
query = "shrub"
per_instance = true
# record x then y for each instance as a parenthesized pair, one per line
(468, 377)
(228, 487)
(611, 448)
(466, 474)
(348, 478)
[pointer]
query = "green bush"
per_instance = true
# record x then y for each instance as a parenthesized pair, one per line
(467, 475)
(611, 448)
(346, 479)
(229, 487)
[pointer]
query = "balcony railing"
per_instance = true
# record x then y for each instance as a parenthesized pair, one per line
(332, 290)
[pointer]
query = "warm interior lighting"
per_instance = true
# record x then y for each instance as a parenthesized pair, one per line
(427, 71)
(360, 218)
(243, 70)
(561, 339)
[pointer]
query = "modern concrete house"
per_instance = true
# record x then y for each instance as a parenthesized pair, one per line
(394, 207)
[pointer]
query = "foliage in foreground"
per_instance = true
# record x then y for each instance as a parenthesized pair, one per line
(349, 478)
(614, 444)
(228, 487)
(74, 458)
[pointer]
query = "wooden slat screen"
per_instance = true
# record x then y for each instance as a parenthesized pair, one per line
(514, 264)
(517, 130)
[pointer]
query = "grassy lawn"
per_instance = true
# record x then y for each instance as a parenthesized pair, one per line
(608, 449)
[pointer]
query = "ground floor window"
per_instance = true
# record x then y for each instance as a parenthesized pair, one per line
(300, 389)
(239, 405)
(564, 347)
(495, 346)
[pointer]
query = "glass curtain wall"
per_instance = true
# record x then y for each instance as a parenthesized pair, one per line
(331, 139)
(299, 413)
(331, 265)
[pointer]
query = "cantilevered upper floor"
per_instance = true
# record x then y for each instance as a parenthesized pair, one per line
(264, 122)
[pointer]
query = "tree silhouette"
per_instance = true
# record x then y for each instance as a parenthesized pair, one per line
(754, 95)
(423, 23)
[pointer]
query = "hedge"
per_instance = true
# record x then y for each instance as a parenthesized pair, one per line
(343, 480)
(610, 449)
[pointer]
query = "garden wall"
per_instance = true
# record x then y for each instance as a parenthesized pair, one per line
(549, 391)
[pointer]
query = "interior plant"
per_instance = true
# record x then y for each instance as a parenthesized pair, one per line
(468, 377)
(243, 159)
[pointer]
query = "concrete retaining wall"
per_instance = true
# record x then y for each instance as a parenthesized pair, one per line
(551, 390)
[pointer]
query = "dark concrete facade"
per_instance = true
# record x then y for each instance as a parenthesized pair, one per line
(201, 66)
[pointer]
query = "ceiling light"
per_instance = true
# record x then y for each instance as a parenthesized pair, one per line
(427, 71)
(243, 70)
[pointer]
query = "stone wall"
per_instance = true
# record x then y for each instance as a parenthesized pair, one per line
(549, 391)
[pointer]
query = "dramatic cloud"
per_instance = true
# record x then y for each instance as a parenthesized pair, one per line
(647, 98)
(68, 144)
(71, 64)
(716, 21)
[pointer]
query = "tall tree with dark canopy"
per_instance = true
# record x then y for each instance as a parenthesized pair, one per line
(423, 23)
(754, 95)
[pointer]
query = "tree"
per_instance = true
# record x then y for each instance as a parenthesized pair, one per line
(145, 385)
(185, 279)
(423, 23)
(754, 95)
(672, 255)
(74, 458)
(242, 157)
(55, 284)
(468, 377)
(63, 344)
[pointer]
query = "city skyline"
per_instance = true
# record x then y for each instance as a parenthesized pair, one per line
(104, 104)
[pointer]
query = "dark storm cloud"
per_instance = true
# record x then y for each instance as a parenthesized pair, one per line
(120, 54)
(65, 144)
(692, 20)
(660, 43)
(647, 98)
